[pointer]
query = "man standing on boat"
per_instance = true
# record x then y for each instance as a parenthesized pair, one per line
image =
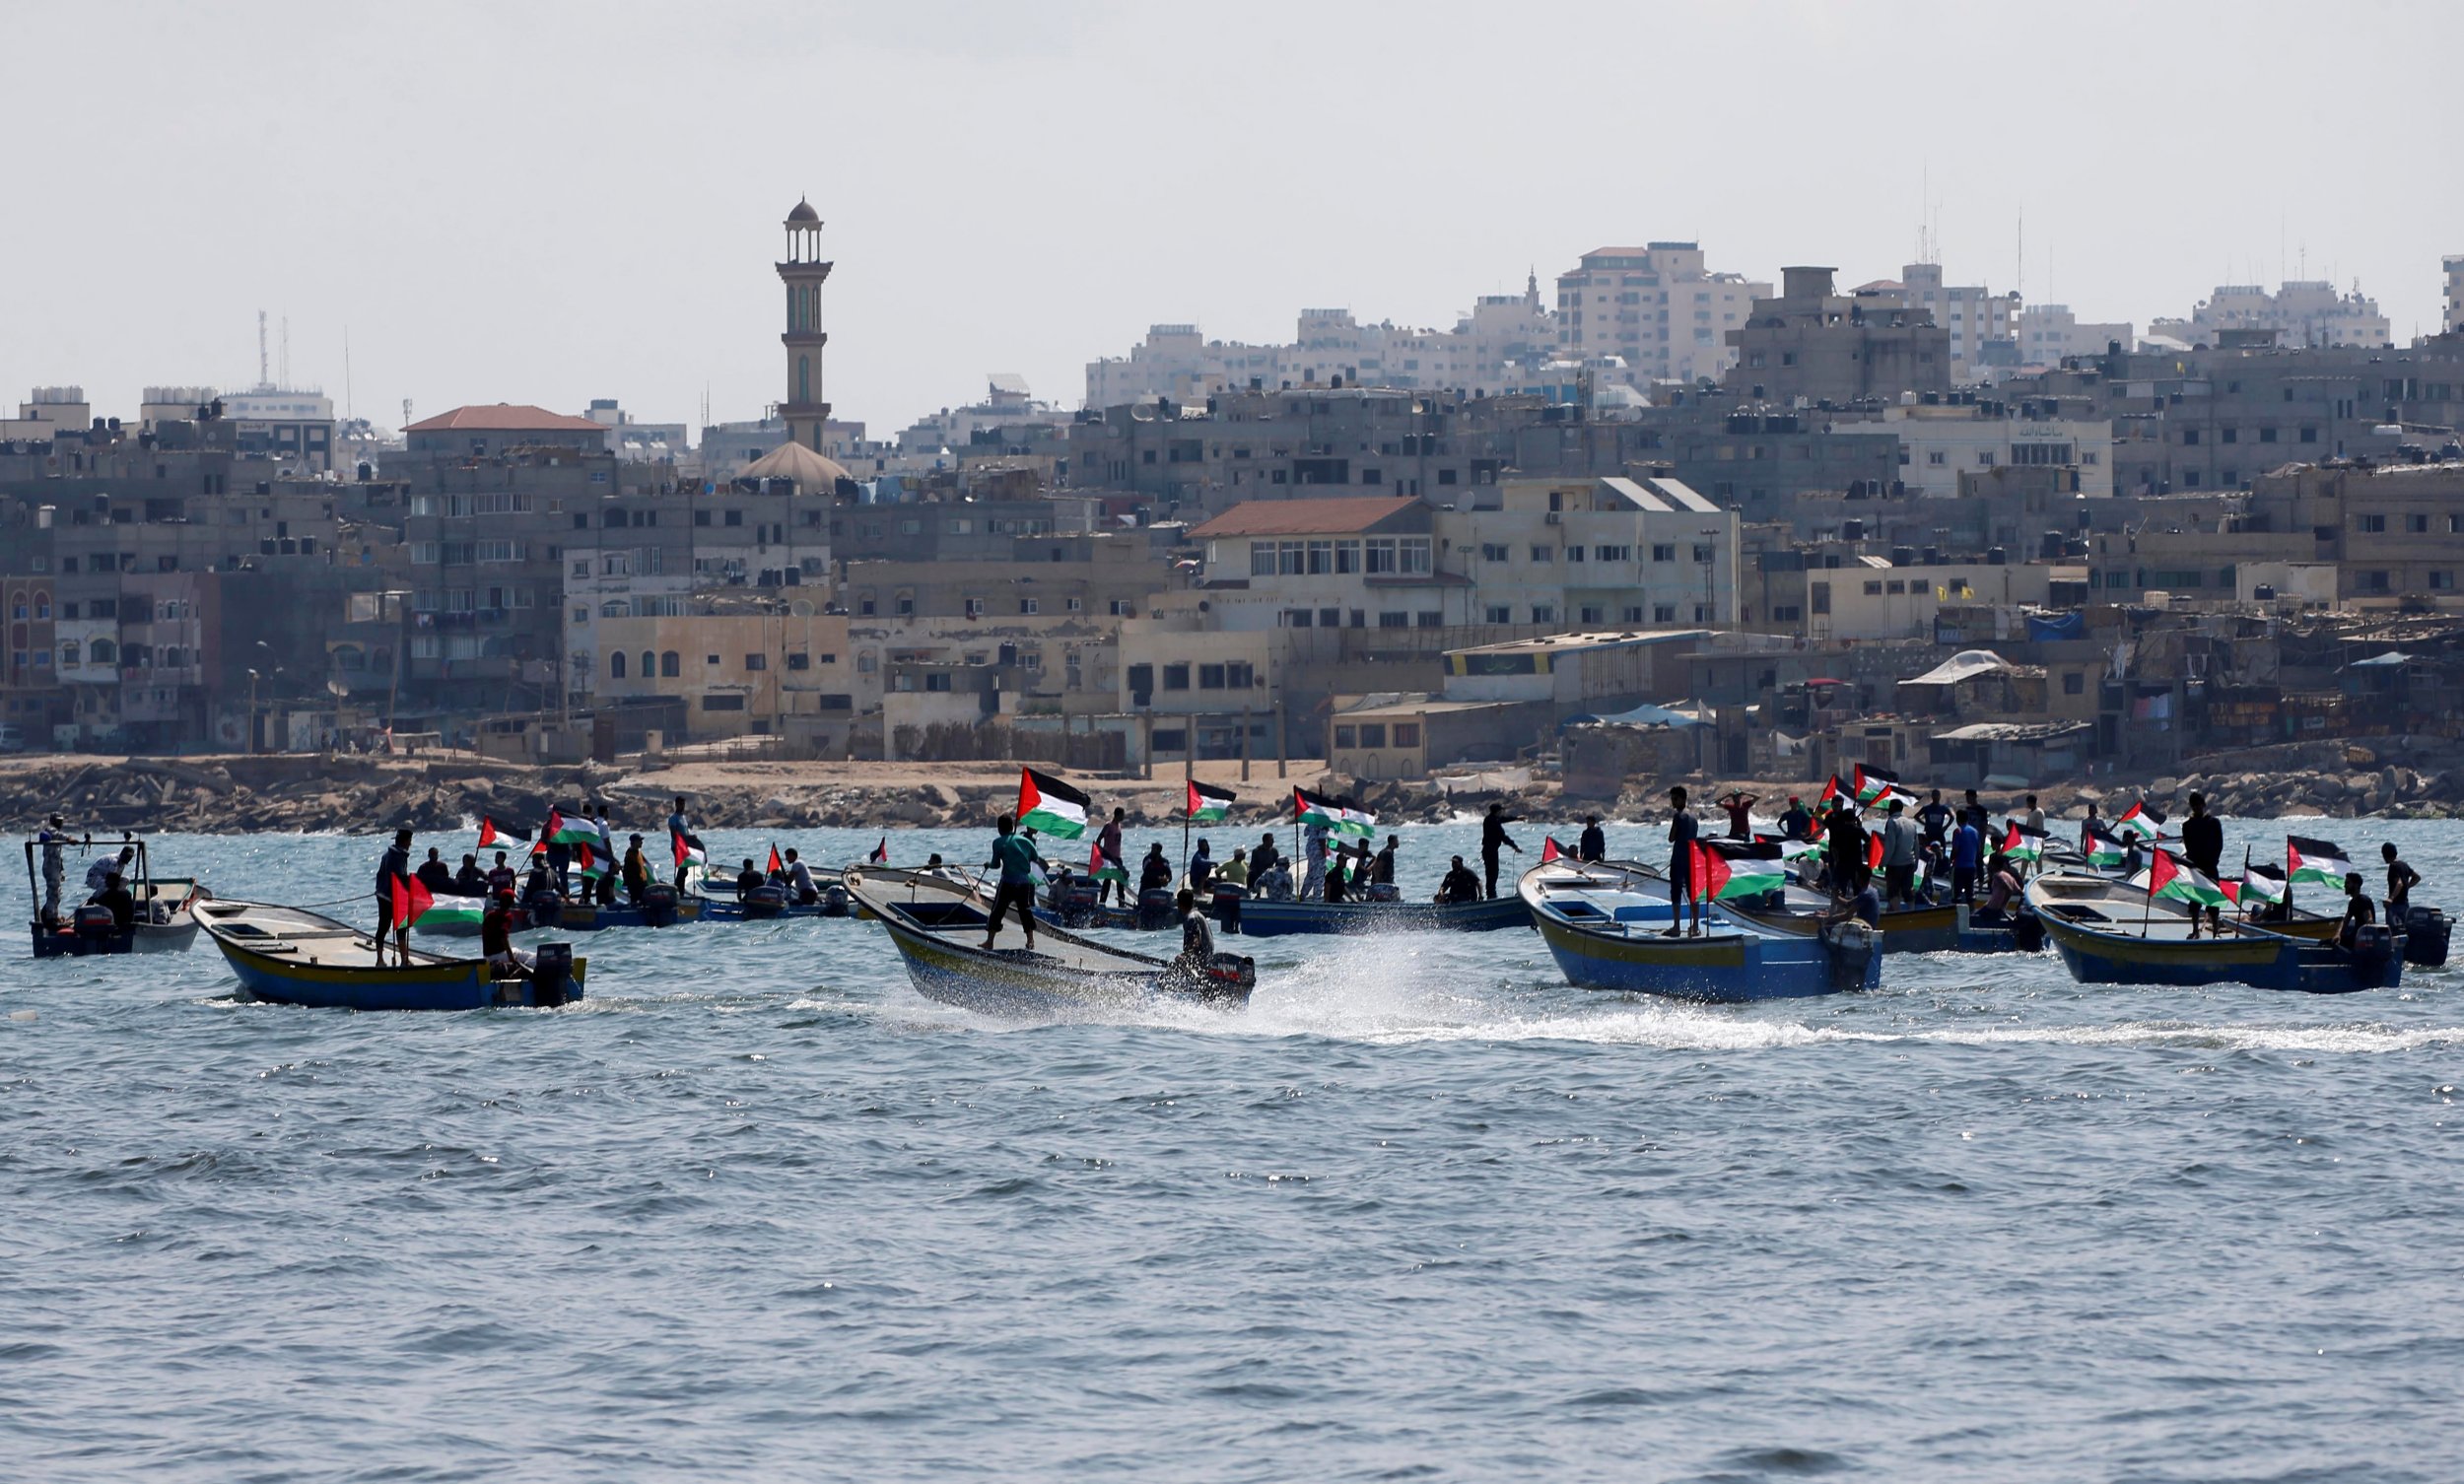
(53, 838)
(1795, 823)
(1016, 860)
(1739, 806)
(393, 873)
(1683, 832)
(637, 868)
(680, 828)
(1845, 853)
(1934, 819)
(1381, 870)
(1108, 847)
(1493, 838)
(1201, 867)
(2203, 839)
(470, 881)
(1594, 846)
(1899, 849)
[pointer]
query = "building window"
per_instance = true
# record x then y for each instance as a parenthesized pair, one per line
(1406, 734)
(1544, 554)
(1210, 677)
(1346, 736)
(2370, 524)
(1543, 613)
(1393, 620)
(2074, 683)
(1664, 612)
(1175, 677)
(1499, 613)
(2417, 525)
(671, 664)
(2373, 581)
(1428, 617)
(616, 665)
(757, 661)
(1613, 554)
(799, 661)
(1262, 559)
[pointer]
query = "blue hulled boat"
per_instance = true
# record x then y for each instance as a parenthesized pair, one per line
(1606, 929)
(1262, 918)
(289, 957)
(2110, 932)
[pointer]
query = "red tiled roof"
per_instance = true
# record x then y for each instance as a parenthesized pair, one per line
(504, 417)
(1342, 515)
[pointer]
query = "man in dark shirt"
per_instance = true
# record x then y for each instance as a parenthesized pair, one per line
(496, 939)
(116, 896)
(1381, 870)
(1594, 846)
(1974, 813)
(470, 881)
(435, 875)
(2203, 839)
(1201, 869)
(750, 881)
(1154, 871)
(1493, 838)
(1935, 820)
(1797, 822)
(2358, 913)
(1198, 940)
(1262, 859)
(392, 870)
(2401, 879)
(1682, 833)
(1460, 884)
(1845, 853)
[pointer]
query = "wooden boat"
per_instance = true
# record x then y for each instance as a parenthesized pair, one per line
(2109, 932)
(164, 920)
(717, 902)
(286, 956)
(1607, 926)
(1800, 909)
(937, 926)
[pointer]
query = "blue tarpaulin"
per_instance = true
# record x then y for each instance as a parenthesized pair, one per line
(2056, 625)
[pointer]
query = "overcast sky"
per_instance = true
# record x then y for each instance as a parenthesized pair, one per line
(547, 203)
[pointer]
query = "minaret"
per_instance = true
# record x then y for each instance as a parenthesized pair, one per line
(804, 272)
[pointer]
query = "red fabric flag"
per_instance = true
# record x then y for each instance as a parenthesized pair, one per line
(1874, 853)
(881, 853)
(487, 831)
(410, 898)
(1711, 871)
(775, 866)
(2160, 872)
(1549, 849)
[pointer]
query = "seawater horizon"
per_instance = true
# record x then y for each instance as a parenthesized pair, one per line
(756, 1210)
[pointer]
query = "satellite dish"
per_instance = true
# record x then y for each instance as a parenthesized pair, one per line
(338, 688)
(802, 608)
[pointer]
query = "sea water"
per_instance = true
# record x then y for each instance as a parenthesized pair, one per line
(756, 1209)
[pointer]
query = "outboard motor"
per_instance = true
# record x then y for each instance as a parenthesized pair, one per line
(1155, 910)
(1228, 898)
(1079, 902)
(2027, 932)
(658, 905)
(552, 976)
(1851, 946)
(2373, 944)
(94, 930)
(763, 902)
(835, 902)
(1383, 891)
(2426, 930)
(546, 909)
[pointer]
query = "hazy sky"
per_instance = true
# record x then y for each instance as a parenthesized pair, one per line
(546, 203)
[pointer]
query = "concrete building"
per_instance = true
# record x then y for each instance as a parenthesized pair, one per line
(2300, 312)
(1345, 561)
(1939, 442)
(1812, 345)
(494, 432)
(2455, 295)
(1656, 308)
(1584, 553)
(2394, 533)
(760, 670)
(2050, 334)
(1983, 325)
(47, 411)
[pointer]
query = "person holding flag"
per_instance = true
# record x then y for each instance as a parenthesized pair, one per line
(688, 849)
(1684, 835)
(393, 890)
(1014, 856)
(2261, 896)
(2021, 846)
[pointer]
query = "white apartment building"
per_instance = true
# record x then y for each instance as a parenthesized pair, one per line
(1352, 562)
(1655, 307)
(2301, 312)
(1588, 553)
(1937, 442)
(2049, 333)
(1176, 360)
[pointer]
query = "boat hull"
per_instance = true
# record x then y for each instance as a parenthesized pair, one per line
(2098, 947)
(1260, 918)
(290, 973)
(1723, 967)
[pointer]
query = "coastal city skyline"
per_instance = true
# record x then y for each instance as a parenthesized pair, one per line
(968, 243)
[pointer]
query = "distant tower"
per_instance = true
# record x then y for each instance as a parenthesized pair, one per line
(804, 272)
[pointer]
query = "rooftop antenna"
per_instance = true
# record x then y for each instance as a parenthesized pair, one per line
(2022, 286)
(345, 372)
(406, 412)
(286, 349)
(265, 368)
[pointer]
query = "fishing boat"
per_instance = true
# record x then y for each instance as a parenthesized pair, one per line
(662, 907)
(2109, 932)
(1798, 911)
(287, 956)
(937, 896)
(1064, 975)
(1265, 918)
(164, 919)
(1607, 926)
(718, 902)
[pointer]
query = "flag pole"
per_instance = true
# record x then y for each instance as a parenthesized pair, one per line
(2146, 914)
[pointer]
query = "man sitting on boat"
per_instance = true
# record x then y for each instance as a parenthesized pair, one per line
(1016, 859)
(1154, 872)
(470, 881)
(496, 940)
(750, 881)
(1262, 859)
(799, 881)
(2002, 883)
(1275, 883)
(435, 875)
(1460, 885)
(100, 873)
(2359, 911)
(1198, 940)
(1201, 867)
(1382, 872)
(116, 896)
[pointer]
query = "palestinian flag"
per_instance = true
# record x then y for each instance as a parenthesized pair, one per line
(591, 861)
(2261, 883)
(2317, 860)
(410, 901)
(1337, 816)
(2142, 821)
(1209, 804)
(776, 867)
(2020, 842)
(1875, 785)
(1729, 869)
(2172, 880)
(1551, 851)
(2103, 852)
(1096, 868)
(454, 912)
(689, 850)
(1799, 849)
(880, 853)
(1049, 806)
(490, 833)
